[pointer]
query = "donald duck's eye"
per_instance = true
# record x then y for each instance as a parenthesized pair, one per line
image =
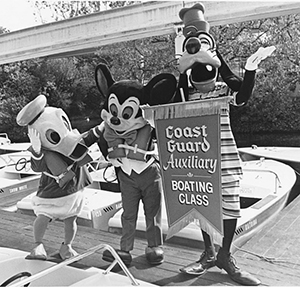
(52, 136)
(127, 113)
(66, 123)
(113, 110)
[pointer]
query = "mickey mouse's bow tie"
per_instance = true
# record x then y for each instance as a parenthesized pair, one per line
(110, 135)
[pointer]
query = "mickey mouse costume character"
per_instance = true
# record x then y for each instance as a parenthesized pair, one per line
(60, 154)
(128, 143)
(204, 63)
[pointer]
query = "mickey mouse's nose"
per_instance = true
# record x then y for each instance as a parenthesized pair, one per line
(115, 121)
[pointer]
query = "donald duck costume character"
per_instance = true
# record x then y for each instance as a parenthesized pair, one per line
(204, 64)
(60, 154)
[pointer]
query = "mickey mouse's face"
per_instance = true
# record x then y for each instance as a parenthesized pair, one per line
(122, 112)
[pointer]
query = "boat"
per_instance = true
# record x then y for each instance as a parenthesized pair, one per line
(4, 139)
(18, 159)
(17, 181)
(264, 192)
(16, 271)
(6, 146)
(13, 153)
(287, 155)
(265, 189)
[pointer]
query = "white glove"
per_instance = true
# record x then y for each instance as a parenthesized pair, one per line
(101, 127)
(116, 162)
(35, 140)
(254, 60)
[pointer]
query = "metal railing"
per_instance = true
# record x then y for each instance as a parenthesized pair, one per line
(277, 179)
(77, 258)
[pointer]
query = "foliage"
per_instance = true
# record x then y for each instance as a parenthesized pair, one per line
(69, 82)
(61, 10)
(144, 58)
(275, 104)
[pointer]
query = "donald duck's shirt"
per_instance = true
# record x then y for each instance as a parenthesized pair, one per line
(53, 164)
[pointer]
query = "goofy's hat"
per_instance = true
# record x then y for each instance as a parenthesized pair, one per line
(193, 19)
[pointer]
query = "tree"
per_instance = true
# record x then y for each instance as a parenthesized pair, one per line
(61, 10)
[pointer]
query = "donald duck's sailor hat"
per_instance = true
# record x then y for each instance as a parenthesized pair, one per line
(30, 113)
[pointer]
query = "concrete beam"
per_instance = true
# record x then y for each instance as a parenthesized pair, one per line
(85, 34)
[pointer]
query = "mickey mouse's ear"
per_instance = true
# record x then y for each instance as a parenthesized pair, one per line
(161, 89)
(103, 79)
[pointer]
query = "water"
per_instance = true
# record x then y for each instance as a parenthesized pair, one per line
(291, 139)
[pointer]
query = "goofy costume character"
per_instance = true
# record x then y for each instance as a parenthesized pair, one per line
(128, 143)
(60, 154)
(201, 60)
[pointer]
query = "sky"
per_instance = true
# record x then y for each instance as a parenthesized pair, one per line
(16, 15)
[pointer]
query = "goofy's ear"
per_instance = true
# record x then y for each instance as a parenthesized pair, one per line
(161, 89)
(103, 79)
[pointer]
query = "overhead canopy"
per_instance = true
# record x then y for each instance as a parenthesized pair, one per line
(85, 34)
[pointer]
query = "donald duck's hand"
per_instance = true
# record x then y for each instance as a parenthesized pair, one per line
(35, 140)
(261, 54)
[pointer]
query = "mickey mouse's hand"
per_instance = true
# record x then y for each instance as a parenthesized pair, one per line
(116, 162)
(261, 54)
(35, 140)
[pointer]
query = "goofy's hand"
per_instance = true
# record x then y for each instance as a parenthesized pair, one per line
(261, 54)
(35, 140)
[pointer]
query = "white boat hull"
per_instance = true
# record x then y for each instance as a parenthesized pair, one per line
(287, 155)
(99, 207)
(46, 273)
(268, 182)
(16, 184)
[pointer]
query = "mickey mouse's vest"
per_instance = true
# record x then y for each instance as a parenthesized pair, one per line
(135, 145)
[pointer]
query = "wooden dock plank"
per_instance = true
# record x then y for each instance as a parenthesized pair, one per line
(279, 239)
(16, 232)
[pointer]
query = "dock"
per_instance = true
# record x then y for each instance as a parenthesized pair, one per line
(273, 255)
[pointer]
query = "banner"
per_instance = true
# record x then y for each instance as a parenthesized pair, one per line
(190, 158)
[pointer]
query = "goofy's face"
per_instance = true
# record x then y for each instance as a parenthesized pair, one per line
(200, 57)
(199, 49)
